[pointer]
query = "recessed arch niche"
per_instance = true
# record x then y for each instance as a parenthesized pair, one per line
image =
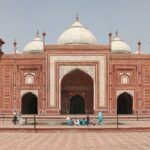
(77, 82)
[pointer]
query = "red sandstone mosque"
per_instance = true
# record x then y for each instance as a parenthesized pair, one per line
(75, 76)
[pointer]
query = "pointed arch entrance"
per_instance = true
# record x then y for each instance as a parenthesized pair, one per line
(77, 105)
(29, 104)
(124, 104)
(77, 91)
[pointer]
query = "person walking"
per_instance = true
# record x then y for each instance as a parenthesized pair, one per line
(14, 121)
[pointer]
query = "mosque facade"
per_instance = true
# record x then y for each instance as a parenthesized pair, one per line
(75, 76)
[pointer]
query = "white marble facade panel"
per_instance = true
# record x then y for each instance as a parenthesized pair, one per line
(100, 59)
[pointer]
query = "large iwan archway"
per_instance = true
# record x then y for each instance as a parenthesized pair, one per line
(125, 104)
(77, 93)
(29, 104)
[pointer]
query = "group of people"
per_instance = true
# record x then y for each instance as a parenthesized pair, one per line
(17, 119)
(83, 121)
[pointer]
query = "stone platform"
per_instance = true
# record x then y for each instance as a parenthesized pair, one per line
(59, 123)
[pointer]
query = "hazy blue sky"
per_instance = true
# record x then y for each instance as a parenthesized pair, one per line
(20, 19)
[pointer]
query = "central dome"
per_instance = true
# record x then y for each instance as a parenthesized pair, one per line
(77, 34)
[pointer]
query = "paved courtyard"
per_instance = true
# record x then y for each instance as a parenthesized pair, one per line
(63, 137)
(73, 140)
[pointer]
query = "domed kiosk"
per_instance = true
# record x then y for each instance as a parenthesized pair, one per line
(35, 46)
(118, 46)
(77, 34)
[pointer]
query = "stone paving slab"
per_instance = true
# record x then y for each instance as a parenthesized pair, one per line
(75, 141)
(70, 139)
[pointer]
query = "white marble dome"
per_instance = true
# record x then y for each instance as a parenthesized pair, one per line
(118, 46)
(77, 34)
(35, 46)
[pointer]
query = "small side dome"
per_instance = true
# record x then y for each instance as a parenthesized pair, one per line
(35, 46)
(77, 34)
(118, 46)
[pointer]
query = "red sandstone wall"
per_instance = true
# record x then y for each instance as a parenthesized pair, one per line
(12, 80)
(138, 66)
(6, 84)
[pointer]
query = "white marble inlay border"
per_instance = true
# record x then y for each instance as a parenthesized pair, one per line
(101, 59)
(22, 92)
(90, 70)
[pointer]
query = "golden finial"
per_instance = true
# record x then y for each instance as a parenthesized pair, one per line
(77, 17)
(37, 33)
(116, 33)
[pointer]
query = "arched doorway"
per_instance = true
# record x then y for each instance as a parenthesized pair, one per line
(29, 104)
(73, 84)
(77, 105)
(124, 104)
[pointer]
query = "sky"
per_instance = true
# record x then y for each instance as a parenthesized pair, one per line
(20, 20)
